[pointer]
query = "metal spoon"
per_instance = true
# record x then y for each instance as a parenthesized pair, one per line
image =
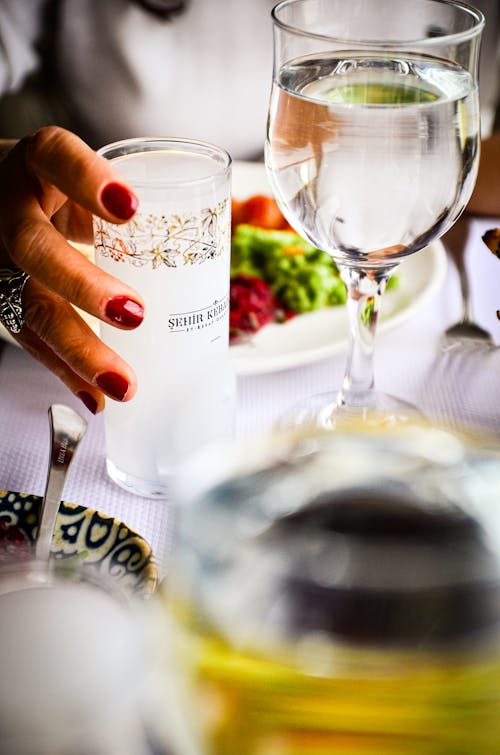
(67, 428)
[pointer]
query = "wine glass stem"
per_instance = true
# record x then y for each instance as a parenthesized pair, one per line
(364, 292)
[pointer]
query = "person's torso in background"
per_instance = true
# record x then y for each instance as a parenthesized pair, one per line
(118, 72)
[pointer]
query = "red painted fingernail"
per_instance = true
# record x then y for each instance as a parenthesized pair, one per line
(114, 384)
(125, 311)
(88, 400)
(118, 200)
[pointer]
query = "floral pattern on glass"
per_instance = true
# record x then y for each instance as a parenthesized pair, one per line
(172, 240)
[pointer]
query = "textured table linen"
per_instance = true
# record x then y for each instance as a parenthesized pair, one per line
(458, 387)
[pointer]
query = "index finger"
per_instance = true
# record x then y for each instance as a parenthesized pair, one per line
(62, 159)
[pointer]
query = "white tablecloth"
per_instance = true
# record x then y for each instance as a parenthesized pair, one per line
(457, 387)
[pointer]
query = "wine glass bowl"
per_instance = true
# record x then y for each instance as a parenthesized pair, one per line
(372, 144)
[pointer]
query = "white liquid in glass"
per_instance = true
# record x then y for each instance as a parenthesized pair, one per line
(180, 351)
(372, 157)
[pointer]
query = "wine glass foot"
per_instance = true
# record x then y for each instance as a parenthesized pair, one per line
(329, 411)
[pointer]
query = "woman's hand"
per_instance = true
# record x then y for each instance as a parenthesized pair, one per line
(50, 185)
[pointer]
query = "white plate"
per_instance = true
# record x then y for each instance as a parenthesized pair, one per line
(316, 335)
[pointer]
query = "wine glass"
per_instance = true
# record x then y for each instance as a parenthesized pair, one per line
(372, 151)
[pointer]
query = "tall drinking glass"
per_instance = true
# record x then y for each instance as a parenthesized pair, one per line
(372, 149)
(175, 253)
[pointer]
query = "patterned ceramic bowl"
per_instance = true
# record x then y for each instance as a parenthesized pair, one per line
(104, 544)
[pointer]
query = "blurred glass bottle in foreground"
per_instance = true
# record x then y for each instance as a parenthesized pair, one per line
(340, 594)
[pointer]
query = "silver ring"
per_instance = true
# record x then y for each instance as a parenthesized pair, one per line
(12, 282)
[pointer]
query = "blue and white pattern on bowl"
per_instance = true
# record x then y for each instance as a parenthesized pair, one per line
(103, 543)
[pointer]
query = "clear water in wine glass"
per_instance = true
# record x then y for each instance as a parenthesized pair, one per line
(371, 156)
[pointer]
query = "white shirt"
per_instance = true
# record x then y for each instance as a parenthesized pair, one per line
(119, 71)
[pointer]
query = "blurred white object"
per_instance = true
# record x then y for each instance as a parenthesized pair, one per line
(77, 667)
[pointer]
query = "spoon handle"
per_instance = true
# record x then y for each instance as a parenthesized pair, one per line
(67, 428)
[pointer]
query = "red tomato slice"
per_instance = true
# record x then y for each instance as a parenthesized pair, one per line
(259, 210)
